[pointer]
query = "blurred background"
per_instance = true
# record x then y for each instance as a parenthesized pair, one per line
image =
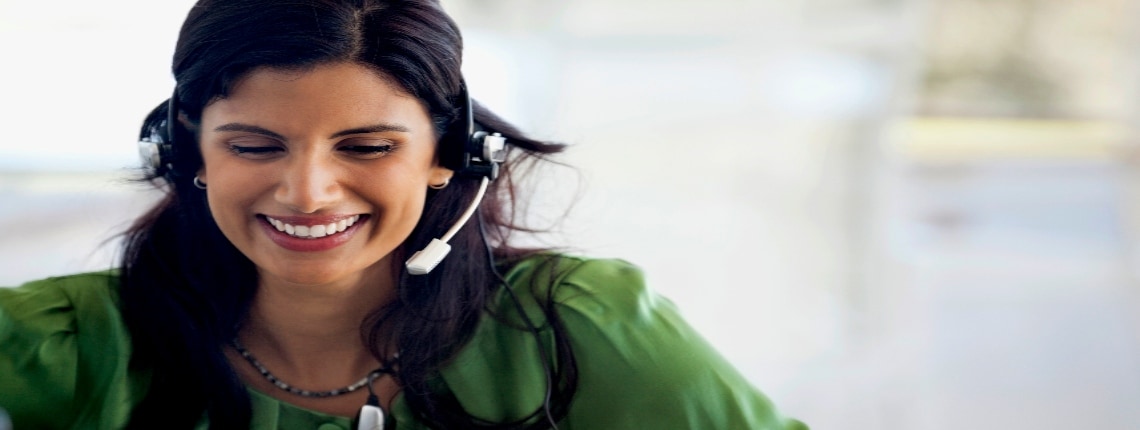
(889, 214)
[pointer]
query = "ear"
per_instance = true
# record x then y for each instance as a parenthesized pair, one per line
(439, 175)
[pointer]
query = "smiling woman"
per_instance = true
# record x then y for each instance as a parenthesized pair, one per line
(309, 149)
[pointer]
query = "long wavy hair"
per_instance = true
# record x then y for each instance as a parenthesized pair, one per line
(186, 289)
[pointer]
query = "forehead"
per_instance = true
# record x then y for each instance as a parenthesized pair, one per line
(325, 93)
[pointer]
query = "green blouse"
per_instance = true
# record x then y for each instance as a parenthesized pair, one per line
(64, 353)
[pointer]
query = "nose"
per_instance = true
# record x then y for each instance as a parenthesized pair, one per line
(308, 184)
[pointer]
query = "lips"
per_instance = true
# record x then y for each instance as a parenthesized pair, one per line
(311, 234)
(311, 229)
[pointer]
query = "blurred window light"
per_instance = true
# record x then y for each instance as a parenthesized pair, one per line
(825, 84)
(80, 77)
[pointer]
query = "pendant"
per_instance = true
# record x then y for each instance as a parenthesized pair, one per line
(370, 418)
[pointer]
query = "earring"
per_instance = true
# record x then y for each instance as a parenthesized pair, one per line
(440, 186)
(202, 185)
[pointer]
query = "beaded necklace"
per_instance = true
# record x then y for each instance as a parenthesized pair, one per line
(304, 393)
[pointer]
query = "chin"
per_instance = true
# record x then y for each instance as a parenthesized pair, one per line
(310, 278)
(324, 274)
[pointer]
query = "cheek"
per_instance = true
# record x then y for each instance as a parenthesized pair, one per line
(229, 204)
(404, 195)
(226, 211)
(399, 195)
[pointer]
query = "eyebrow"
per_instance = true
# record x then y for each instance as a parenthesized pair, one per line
(375, 128)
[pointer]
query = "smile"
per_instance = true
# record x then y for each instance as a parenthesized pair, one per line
(313, 231)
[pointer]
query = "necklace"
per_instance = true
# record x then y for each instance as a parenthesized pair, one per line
(303, 393)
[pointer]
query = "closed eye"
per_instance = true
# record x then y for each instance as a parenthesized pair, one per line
(367, 151)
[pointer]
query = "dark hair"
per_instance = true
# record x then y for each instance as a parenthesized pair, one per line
(186, 289)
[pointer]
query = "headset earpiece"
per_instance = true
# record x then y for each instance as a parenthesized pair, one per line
(150, 154)
(157, 151)
(482, 152)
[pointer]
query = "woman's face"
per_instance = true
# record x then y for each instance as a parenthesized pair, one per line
(318, 175)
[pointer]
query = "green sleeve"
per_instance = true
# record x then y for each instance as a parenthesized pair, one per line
(64, 354)
(642, 366)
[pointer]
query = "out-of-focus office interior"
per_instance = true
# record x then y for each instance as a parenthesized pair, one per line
(889, 214)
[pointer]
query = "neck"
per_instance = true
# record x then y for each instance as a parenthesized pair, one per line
(297, 330)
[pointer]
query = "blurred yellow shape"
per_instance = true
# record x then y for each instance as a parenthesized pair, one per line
(939, 139)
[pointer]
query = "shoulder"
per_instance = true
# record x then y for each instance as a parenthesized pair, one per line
(65, 350)
(60, 308)
(585, 284)
(640, 364)
(607, 298)
(594, 298)
(60, 295)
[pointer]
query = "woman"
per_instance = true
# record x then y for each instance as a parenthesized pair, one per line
(309, 150)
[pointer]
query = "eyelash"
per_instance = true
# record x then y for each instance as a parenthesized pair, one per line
(368, 149)
(239, 150)
(255, 152)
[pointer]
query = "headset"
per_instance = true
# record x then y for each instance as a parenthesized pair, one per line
(482, 153)
(479, 156)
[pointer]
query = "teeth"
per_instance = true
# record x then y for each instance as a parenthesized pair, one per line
(317, 231)
(314, 231)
